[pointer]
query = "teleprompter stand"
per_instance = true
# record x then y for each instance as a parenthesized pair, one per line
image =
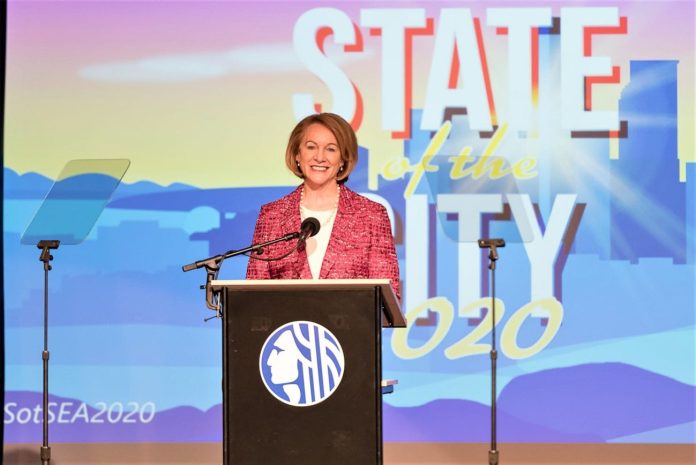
(67, 215)
(488, 193)
(46, 246)
(492, 245)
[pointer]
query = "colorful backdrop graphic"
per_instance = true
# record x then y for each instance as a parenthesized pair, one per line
(565, 127)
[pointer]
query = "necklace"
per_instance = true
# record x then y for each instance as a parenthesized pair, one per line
(304, 209)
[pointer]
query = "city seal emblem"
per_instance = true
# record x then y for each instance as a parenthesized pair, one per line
(301, 363)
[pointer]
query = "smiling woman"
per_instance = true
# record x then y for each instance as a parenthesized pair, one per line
(354, 238)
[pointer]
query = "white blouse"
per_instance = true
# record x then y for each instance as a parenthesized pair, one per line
(317, 244)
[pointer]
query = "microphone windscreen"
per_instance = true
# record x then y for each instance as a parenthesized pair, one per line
(310, 226)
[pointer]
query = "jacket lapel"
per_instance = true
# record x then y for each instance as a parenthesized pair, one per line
(291, 221)
(341, 232)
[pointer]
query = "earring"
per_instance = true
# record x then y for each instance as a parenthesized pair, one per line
(340, 169)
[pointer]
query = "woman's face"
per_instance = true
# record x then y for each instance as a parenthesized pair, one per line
(320, 156)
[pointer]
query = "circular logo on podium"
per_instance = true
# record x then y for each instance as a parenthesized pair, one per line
(301, 363)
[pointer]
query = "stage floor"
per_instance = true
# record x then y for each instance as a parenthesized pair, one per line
(395, 454)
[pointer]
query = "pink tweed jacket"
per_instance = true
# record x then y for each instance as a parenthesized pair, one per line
(361, 243)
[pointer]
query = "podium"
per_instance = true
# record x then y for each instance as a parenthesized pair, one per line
(302, 369)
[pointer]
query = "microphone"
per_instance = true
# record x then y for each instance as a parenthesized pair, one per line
(310, 227)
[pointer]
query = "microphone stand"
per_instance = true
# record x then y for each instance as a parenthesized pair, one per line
(492, 245)
(212, 268)
(46, 246)
(212, 298)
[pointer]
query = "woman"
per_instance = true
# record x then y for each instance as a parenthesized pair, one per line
(354, 238)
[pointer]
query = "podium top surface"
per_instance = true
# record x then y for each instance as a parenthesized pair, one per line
(391, 305)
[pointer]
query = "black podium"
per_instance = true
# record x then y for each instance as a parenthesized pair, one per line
(302, 370)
